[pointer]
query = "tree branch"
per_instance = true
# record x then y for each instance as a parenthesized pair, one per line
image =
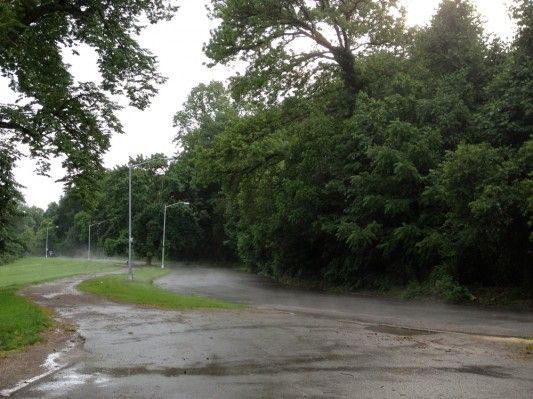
(16, 126)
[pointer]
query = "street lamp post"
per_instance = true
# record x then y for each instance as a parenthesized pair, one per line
(89, 243)
(165, 229)
(46, 246)
(130, 238)
(131, 166)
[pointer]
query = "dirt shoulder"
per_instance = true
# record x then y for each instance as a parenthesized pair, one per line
(22, 365)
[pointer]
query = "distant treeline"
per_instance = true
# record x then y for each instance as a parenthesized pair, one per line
(376, 156)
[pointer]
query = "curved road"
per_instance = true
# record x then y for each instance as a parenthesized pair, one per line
(252, 289)
(293, 344)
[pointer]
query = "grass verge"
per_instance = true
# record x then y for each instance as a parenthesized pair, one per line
(21, 321)
(141, 291)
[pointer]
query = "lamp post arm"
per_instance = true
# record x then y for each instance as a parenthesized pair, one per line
(177, 203)
(135, 165)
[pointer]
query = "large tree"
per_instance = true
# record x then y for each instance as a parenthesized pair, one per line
(55, 114)
(454, 41)
(288, 43)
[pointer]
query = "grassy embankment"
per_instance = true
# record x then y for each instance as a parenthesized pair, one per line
(21, 321)
(141, 291)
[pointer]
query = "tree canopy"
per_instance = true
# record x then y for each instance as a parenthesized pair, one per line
(288, 44)
(55, 114)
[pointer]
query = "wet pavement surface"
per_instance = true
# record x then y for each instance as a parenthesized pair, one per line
(269, 351)
(248, 288)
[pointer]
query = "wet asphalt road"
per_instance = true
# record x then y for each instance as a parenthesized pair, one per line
(252, 289)
(296, 344)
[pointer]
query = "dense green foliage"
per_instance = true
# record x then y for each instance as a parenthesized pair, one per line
(193, 231)
(422, 172)
(352, 151)
(142, 292)
(23, 230)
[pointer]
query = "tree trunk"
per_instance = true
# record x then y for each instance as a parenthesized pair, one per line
(346, 61)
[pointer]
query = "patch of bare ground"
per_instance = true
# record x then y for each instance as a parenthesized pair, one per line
(519, 348)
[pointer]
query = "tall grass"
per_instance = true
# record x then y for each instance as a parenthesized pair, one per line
(22, 322)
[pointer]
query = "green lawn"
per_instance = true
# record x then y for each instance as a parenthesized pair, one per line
(142, 292)
(21, 321)
(33, 270)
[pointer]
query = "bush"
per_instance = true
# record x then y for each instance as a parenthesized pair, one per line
(415, 290)
(446, 287)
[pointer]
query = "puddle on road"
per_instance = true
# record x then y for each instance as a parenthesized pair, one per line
(407, 332)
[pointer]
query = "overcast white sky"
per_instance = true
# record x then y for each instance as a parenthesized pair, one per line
(178, 45)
